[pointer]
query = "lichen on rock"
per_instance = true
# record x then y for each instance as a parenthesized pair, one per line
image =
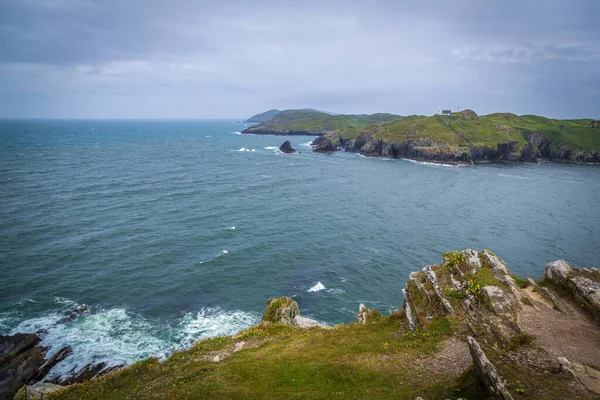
(280, 310)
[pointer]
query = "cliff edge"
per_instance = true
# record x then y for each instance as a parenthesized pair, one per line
(468, 329)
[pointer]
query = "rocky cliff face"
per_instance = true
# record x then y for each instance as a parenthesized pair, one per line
(515, 330)
(537, 148)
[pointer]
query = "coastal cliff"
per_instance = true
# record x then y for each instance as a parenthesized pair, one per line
(461, 138)
(468, 328)
(466, 138)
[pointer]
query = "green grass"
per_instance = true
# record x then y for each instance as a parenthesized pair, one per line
(353, 361)
(315, 121)
(462, 130)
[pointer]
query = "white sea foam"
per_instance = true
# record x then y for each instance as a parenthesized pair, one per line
(432, 164)
(237, 133)
(209, 322)
(245, 149)
(231, 228)
(222, 253)
(515, 176)
(306, 144)
(271, 148)
(117, 336)
(335, 291)
(112, 336)
(319, 286)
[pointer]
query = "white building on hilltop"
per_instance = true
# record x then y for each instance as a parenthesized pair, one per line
(444, 112)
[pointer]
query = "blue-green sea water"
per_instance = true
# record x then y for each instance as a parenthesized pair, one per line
(173, 231)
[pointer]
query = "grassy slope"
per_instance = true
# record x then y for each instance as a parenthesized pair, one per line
(348, 362)
(263, 116)
(314, 121)
(468, 129)
(463, 129)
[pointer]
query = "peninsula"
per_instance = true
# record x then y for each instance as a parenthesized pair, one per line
(459, 138)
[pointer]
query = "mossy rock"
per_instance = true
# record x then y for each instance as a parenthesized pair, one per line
(281, 310)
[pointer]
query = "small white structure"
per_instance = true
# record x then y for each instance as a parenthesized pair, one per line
(444, 112)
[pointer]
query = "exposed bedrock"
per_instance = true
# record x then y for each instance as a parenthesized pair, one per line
(537, 147)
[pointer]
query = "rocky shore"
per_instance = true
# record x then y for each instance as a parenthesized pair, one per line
(537, 149)
(468, 328)
(23, 362)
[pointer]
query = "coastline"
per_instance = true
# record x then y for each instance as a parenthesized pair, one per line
(468, 325)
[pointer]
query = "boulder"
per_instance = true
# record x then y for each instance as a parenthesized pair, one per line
(40, 390)
(496, 297)
(558, 271)
(286, 147)
(280, 310)
(304, 322)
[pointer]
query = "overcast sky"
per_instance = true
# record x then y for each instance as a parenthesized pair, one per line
(232, 59)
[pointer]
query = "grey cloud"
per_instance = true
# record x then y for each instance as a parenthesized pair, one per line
(231, 58)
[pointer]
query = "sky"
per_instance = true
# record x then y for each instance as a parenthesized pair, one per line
(235, 58)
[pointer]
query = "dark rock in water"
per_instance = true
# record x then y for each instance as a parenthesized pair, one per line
(20, 360)
(51, 362)
(88, 372)
(286, 147)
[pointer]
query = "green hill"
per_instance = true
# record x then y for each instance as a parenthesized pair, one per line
(314, 123)
(467, 137)
(263, 116)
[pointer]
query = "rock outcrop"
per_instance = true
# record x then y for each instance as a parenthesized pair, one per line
(365, 315)
(284, 310)
(487, 372)
(500, 315)
(422, 149)
(22, 361)
(37, 391)
(287, 148)
(582, 283)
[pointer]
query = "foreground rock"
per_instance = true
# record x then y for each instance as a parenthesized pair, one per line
(520, 329)
(284, 310)
(287, 148)
(582, 283)
(22, 361)
(487, 372)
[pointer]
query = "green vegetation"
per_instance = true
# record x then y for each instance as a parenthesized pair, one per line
(511, 137)
(453, 258)
(275, 310)
(467, 129)
(526, 301)
(262, 117)
(520, 281)
(318, 122)
(352, 361)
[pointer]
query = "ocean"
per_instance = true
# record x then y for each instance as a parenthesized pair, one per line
(172, 231)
